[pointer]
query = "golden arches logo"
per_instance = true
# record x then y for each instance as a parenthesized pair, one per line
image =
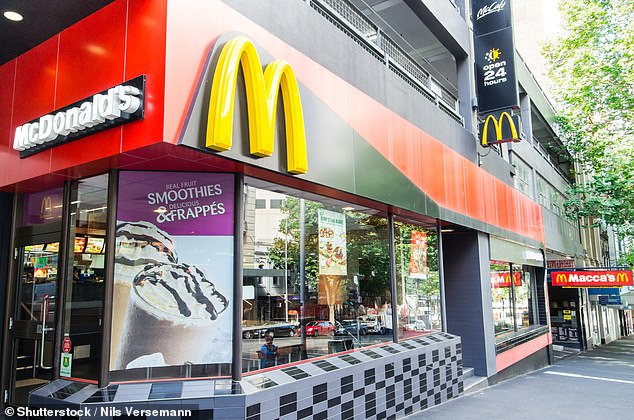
(497, 125)
(561, 278)
(622, 278)
(46, 208)
(262, 89)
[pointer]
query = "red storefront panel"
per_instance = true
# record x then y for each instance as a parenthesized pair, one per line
(146, 35)
(125, 38)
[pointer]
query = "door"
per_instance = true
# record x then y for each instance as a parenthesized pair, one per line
(32, 326)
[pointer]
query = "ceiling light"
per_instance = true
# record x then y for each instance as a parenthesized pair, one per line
(348, 208)
(14, 16)
(446, 230)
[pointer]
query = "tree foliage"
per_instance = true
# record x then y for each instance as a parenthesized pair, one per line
(367, 249)
(592, 65)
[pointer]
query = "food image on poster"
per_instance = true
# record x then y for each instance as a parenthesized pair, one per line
(332, 243)
(173, 298)
(173, 270)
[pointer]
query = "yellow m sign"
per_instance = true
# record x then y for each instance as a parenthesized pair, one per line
(262, 89)
(502, 135)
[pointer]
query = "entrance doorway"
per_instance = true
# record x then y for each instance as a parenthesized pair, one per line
(35, 309)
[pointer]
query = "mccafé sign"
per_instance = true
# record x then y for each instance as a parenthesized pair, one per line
(262, 90)
(110, 108)
(503, 279)
(612, 278)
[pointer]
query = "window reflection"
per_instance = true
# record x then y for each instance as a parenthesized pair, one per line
(417, 285)
(512, 297)
(346, 290)
(86, 271)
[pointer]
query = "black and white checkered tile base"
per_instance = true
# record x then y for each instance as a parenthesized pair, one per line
(385, 382)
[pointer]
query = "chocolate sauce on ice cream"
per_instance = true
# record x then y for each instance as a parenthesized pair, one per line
(179, 289)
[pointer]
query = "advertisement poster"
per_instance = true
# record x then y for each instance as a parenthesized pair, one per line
(332, 243)
(418, 255)
(172, 300)
(503, 279)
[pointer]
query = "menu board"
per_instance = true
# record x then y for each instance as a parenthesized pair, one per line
(80, 243)
(52, 247)
(94, 245)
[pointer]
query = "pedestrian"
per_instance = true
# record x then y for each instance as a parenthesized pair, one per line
(268, 352)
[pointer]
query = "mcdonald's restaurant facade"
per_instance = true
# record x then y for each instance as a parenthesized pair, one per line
(183, 180)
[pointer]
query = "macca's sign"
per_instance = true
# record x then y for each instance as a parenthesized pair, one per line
(262, 89)
(499, 128)
(612, 278)
(110, 108)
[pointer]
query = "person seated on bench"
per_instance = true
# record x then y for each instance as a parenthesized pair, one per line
(268, 353)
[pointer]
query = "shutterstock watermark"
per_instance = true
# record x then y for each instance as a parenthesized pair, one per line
(28, 412)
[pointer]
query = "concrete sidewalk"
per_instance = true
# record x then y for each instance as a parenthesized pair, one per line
(596, 384)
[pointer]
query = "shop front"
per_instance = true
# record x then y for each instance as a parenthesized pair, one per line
(170, 219)
(602, 289)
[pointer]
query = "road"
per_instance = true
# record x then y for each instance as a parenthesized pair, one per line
(596, 384)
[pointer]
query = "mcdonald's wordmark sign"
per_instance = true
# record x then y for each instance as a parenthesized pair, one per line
(500, 128)
(262, 89)
(612, 278)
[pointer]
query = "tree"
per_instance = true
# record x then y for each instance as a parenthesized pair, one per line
(592, 65)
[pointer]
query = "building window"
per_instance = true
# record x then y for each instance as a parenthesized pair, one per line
(260, 203)
(557, 202)
(417, 285)
(346, 288)
(543, 192)
(523, 177)
(276, 203)
(514, 303)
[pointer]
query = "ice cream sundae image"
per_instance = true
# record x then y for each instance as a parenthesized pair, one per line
(137, 244)
(175, 300)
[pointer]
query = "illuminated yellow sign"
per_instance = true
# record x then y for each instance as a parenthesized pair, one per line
(498, 126)
(262, 89)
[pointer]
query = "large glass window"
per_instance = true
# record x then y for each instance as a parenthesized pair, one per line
(345, 293)
(417, 285)
(84, 303)
(512, 289)
(42, 207)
